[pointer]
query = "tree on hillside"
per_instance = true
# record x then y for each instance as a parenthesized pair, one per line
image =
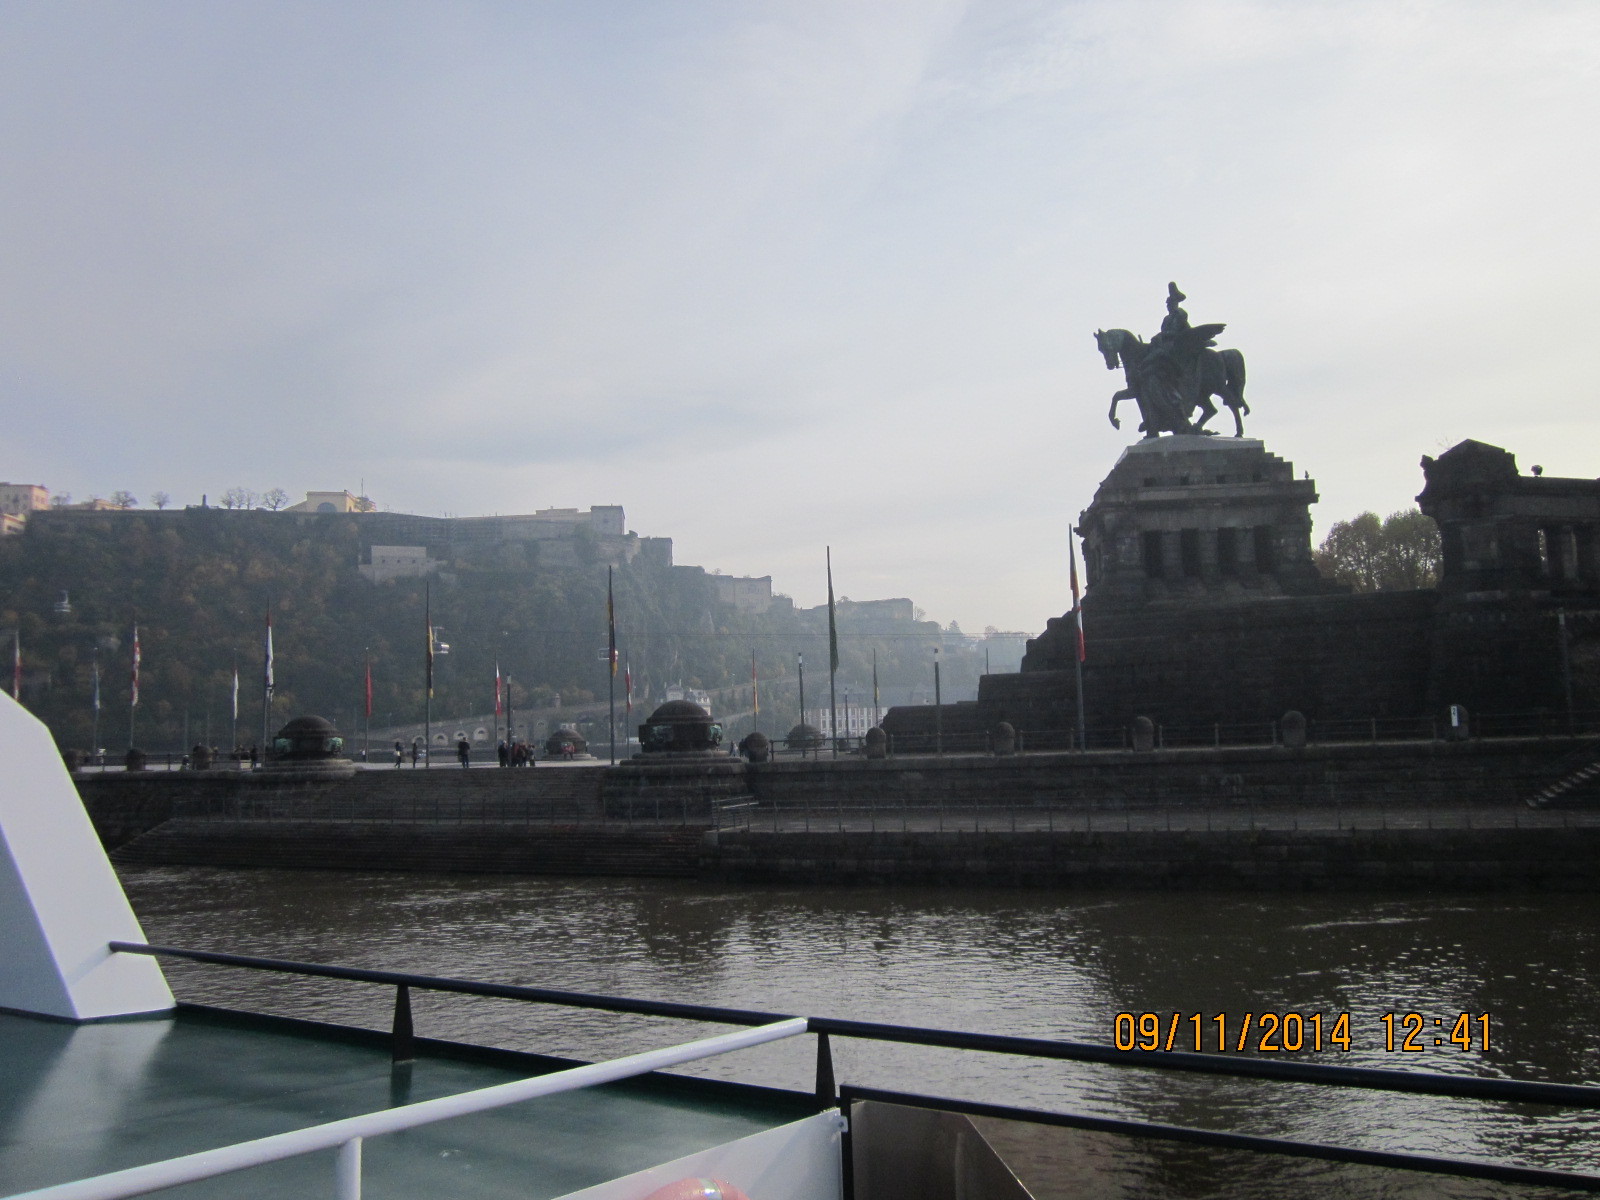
(274, 498)
(238, 497)
(1398, 552)
(124, 499)
(160, 499)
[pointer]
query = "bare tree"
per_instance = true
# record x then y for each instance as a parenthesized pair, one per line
(61, 500)
(237, 497)
(160, 499)
(124, 499)
(274, 498)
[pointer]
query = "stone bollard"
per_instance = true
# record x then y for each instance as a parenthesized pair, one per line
(1004, 739)
(1456, 728)
(1293, 729)
(1143, 731)
(200, 757)
(756, 747)
(74, 760)
(877, 742)
(134, 759)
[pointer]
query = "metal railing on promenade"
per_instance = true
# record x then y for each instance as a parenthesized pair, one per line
(1540, 724)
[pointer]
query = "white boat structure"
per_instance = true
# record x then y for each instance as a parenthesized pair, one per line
(111, 1088)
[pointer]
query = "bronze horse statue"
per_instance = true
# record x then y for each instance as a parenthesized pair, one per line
(1165, 404)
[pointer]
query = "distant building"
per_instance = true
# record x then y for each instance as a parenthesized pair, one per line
(331, 502)
(11, 523)
(855, 717)
(747, 594)
(398, 562)
(676, 691)
(872, 612)
(20, 499)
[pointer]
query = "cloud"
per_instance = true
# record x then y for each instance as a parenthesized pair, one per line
(785, 275)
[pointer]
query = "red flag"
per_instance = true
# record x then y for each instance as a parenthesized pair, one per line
(1077, 609)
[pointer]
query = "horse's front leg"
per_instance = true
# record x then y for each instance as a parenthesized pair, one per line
(1238, 419)
(1124, 394)
(1207, 411)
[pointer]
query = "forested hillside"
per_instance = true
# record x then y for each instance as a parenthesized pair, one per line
(199, 584)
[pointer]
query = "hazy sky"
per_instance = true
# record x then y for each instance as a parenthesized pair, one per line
(775, 276)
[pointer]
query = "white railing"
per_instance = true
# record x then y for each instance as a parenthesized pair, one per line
(346, 1135)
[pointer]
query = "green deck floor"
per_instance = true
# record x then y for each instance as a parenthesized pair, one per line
(80, 1100)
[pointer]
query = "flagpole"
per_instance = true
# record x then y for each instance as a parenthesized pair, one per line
(833, 661)
(427, 709)
(366, 728)
(94, 735)
(611, 666)
(266, 689)
(800, 665)
(133, 692)
(877, 717)
(1077, 628)
(755, 695)
(233, 735)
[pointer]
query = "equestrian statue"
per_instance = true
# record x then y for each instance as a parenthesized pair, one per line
(1174, 373)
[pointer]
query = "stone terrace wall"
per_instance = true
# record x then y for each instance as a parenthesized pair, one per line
(1487, 772)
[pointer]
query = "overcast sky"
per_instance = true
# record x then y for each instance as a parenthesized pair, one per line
(777, 276)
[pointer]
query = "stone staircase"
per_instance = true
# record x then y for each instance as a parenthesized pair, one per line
(1578, 772)
(362, 845)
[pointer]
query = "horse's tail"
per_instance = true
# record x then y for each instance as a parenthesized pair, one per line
(1233, 367)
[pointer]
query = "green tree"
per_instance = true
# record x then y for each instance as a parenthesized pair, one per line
(1398, 552)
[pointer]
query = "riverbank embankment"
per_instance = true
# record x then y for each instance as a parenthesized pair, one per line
(1398, 816)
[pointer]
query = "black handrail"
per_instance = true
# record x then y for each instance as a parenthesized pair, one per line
(1562, 1094)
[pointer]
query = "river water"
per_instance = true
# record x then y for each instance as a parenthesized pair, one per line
(1038, 963)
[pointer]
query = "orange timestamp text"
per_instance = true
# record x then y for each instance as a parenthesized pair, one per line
(1293, 1032)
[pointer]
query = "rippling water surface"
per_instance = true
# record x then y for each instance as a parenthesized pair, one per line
(1048, 964)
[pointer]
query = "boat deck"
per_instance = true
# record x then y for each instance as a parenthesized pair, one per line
(82, 1100)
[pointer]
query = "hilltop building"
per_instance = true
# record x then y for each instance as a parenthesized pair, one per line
(747, 594)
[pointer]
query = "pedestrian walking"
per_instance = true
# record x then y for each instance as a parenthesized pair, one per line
(399, 752)
(464, 751)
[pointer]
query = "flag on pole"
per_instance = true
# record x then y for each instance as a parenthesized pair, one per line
(16, 664)
(369, 689)
(627, 688)
(1077, 608)
(874, 683)
(833, 628)
(498, 708)
(755, 685)
(427, 616)
(133, 689)
(97, 682)
(611, 624)
(266, 661)
(235, 691)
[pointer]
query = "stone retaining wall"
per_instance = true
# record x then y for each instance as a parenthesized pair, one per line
(1257, 859)
(1413, 773)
